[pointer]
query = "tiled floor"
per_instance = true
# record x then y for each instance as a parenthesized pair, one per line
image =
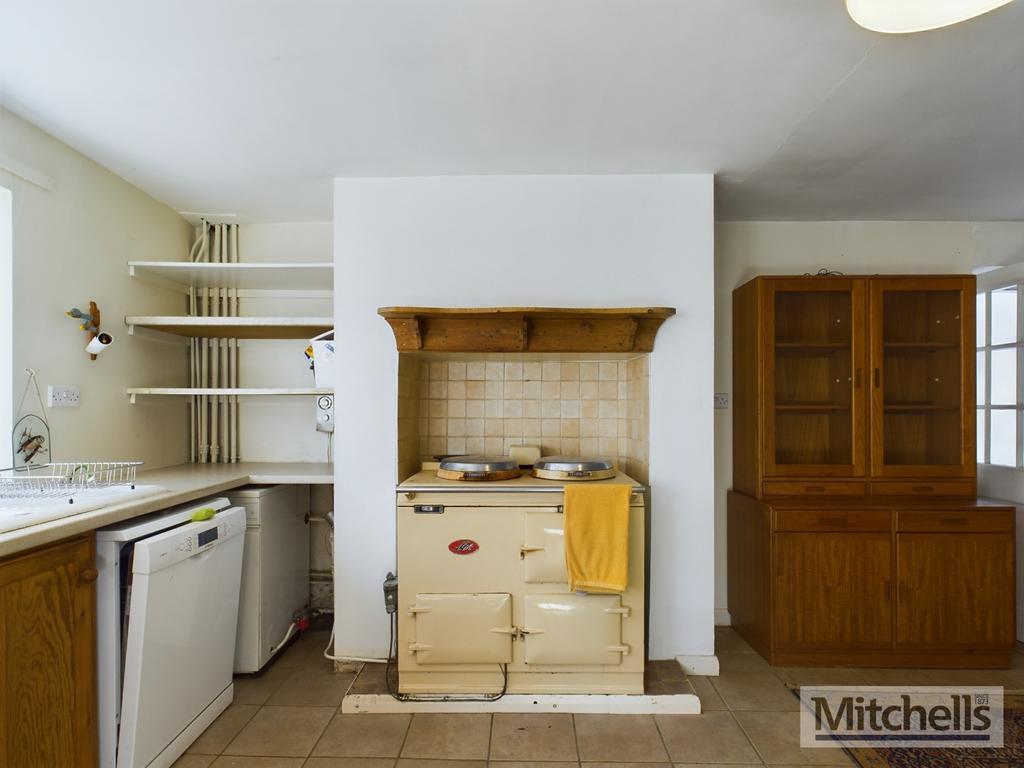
(289, 718)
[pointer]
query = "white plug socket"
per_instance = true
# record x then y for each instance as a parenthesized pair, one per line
(325, 413)
(63, 396)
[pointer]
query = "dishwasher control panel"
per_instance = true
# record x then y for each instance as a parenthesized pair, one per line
(189, 540)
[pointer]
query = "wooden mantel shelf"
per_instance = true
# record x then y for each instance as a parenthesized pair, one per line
(525, 329)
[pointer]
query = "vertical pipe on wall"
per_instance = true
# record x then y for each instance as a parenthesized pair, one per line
(233, 403)
(214, 352)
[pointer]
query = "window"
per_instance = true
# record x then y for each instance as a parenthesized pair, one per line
(1000, 350)
(6, 321)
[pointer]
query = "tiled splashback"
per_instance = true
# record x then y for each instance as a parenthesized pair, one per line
(463, 404)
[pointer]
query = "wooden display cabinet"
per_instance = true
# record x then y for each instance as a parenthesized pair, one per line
(854, 534)
(854, 385)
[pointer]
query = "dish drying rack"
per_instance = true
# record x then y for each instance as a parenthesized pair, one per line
(61, 479)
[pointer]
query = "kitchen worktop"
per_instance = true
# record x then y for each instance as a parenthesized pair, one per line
(181, 483)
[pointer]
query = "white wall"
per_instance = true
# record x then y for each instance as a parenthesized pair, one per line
(281, 428)
(6, 323)
(528, 240)
(744, 250)
(71, 244)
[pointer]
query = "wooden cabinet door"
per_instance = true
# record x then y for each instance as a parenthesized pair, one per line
(48, 658)
(955, 591)
(813, 346)
(922, 377)
(833, 591)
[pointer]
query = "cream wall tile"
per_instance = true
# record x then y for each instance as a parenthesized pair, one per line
(608, 409)
(531, 427)
(532, 409)
(438, 389)
(438, 427)
(570, 446)
(551, 370)
(456, 427)
(608, 446)
(457, 390)
(570, 428)
(457, 409)
(550, 427)
(456, 371)
(570, 390)
(494, 371)
(608, 390)
(475, 390)
(438, 371)
(437, 445)
(570, 409)
(532, 390)
(570, 372)
(474, 427)
(589, 390)
(513, 390)
(513, 428)
(590, 446)
(456, 446)
(494, 427)
(608, 427)
(494, 389)
(513, 409)
(437, 408)
(532, 371)
(551, 390)
(607, 371)
(513, 371)
(589, 428)
(494, 409)
(494, 445)
(475, 370)
(474, 445)
(474, 409)
(550, 409)
(588, 371)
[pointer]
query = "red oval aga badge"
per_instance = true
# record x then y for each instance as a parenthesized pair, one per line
(463, 547)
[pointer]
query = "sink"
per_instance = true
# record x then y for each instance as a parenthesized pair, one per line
(18, 513)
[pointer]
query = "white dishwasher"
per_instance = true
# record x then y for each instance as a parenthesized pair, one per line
(167, 615)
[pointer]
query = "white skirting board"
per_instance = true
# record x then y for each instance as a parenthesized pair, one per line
(699, 665)
(580, 704)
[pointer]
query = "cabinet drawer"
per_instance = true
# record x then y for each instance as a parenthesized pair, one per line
(924, 488)
(840, 520)
(812, 488)
(956, 521)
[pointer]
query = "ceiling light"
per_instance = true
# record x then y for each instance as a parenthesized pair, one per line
(902, 16)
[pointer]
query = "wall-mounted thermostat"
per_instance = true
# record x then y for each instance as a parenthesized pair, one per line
(325, 413)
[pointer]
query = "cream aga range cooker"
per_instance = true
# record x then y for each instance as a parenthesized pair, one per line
(482, 584)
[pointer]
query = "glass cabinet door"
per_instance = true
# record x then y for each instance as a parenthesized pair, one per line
(815, 380)
(922, 380)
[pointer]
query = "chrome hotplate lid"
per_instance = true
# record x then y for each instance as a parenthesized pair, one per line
(573, 464)
(479, 464)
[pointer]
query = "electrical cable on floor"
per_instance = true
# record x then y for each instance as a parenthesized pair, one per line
(393, 653)
(354, 659)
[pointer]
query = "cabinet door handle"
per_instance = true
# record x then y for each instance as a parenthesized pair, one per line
(89, 575)
(878, 378)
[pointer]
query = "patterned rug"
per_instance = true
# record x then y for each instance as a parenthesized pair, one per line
(1010, 756)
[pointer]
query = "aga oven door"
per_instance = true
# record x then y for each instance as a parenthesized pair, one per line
(573, 629)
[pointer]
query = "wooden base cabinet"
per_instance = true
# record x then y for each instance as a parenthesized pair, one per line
(864, 582)
(48, 657)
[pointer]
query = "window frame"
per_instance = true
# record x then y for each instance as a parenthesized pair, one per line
(985, 405)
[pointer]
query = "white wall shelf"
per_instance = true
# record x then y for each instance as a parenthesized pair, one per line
(257, 276)
(233, 327)
(133, 392)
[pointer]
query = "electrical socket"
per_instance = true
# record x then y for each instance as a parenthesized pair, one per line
(721, 401)
(63, 396)
(325, 413)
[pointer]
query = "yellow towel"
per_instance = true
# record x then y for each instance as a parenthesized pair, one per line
(597, 537)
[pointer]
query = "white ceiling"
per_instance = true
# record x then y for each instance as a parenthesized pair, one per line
(252, 106)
